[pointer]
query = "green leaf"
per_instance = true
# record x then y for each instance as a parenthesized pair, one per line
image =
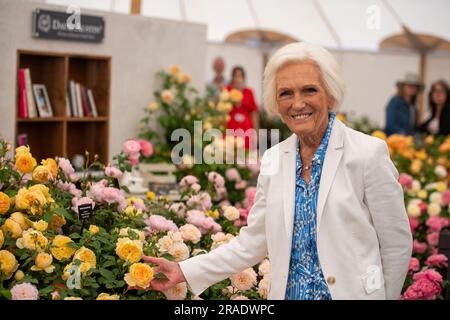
(74, 236)
(107, 274)
(6, 294)
(168, 256)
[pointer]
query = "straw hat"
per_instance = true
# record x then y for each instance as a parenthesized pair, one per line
(411, 79)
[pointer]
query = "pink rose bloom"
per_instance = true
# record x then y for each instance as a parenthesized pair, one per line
(207, 223)
(406, 180)
(437, 260)
(179, 209)
(76, 202)
(200, 201)
(122, 204)
(134, 158)
(446, 197)
(241, 185)
(77, 193)
(413, 224)
(146, 147)
(196, 187)
(24, 291)
(250, 194)
(55, 295)
(221, 193)
(419, 247)
(423, 206)
(436, 223)
(195, 217)
(422, 289)
(111, 195)
(414, 265)
(188, 181)
(433, 239)
(216, 179)
(429, 274)
(96, 191)
(113, 172)
(74, 177)
(131, 147)
(216, 228)
(157, 223)
(65, 166)
(232, 174)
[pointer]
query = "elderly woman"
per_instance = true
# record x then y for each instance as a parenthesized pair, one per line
(328, 211)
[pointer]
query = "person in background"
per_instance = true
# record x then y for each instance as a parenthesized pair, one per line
(219, 82)
(245, 115)
(439, 103)
(401, 112)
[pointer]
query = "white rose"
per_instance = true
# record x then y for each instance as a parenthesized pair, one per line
(191, 233)
(164, 244)
(179, 251)
(231, 213)
(263, 287)
(436, 197)
(244, 280)
(264, 267)
(416, 186)
(440, 171)
(434, 209)
(177, 292)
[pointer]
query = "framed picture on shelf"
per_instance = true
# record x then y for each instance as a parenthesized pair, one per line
(42, 101)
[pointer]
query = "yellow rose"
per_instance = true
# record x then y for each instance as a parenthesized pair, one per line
(44, 190)
(73, 298)
(422, 194)
(174, 69)
(87, 258)
(441, 186)
(41, 174)
(421, 155)
(151, 196)
(413, 210)
(131, 211)
(32, 240)
(51, 165)
(21, 151)
(4, 203)
(224, 95)
(416, 166)
(434, 209)
(25, 163)
(93, 229)
(57, 222)
(33, 199)
(41, 225)
(12, 227)
(2, 239)
(43, 262)
(140, 275)
(153, 106)
(429, 139)
(167, 96)
(129, 250)
(8, 263)
(21, 219)
(379, 134)
(124, 233)
(107, 296)
(62, 247)
(213, 214)
(236, 96)
(224, 107)
(19, 275)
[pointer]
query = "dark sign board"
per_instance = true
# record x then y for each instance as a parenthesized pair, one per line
(84, 211)
(67, 26)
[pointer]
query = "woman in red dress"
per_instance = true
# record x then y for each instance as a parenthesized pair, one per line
(245, 115)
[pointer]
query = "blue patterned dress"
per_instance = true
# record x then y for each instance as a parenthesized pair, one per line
(306, 280)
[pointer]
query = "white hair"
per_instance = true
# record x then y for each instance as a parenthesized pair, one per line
(297, 52)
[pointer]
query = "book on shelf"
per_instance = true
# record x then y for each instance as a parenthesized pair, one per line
(22, 140)
(32, 113)
(23, 108)
(81, 101)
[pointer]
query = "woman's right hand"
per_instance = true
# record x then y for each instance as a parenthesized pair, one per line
(169, 268)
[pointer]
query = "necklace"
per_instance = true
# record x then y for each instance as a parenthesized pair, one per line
(307, 167)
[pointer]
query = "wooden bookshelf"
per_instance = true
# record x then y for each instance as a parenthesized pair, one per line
(62, 135)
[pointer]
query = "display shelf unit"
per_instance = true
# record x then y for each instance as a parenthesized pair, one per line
(62, 135)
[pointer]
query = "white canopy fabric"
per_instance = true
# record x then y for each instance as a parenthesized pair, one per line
(335, 24)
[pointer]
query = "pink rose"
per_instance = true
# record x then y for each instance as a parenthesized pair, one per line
(250, 194)
(113, 172)
(413, 224)
(196, 187)
(111, 195)
(419, 247)
(232, 174)
(65, 166)
(76, 202)
(406, 180)
(146, 147)
(414, 265)
(240, 185)
(422, 289)
(216, 179)
(436, 223)
(446, 197)
(134, 158)
(157, 223)
(423, 206)
(188, 181)
(433, 239)
(24, 291)
(437, 260)
(429, 274)
(131, 147)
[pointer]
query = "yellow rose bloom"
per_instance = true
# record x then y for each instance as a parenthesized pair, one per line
(133, 200)
(13, 228)
(151, 196)
(32, 240)
(153, 106)
(422, 194)
(61, 248)
(57, 222)
(107, 296)
(421, 155)
(224, 107)
(429, 139)
(73, 298)
(44, 190)
(236, 96)
(25, 163)
(93, 229)
(416, 166)
(213, 214)
(43, 262)
(140, 275)
(41, 225)
(129, 250)
(41, 174)
(441, 186)
(87, 258)
(2, 239)
(21, 219)
(4, 203)
(51, 165)
(8, 263)
(174, 69)
(379, 134)
(19, 275)
(131, 211)
(33, 199)
(21, 151)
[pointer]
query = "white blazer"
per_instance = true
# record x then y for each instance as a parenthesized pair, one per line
(364, 238)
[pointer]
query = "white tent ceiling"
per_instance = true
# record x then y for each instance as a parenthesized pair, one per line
(339, 24)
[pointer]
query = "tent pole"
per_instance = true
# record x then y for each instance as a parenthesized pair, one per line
(136, 7)
(422, 71)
